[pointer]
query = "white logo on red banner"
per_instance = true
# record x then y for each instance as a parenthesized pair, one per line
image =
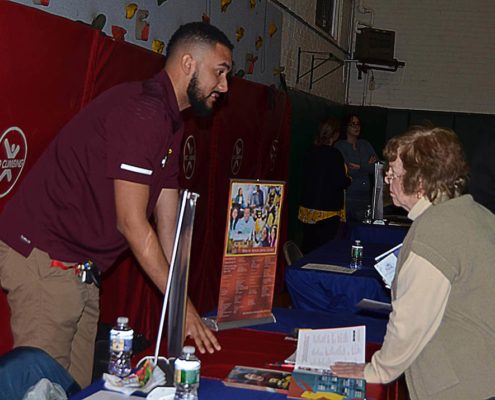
(189, 162)
(237, 154)
(13, 152)
(273, 154)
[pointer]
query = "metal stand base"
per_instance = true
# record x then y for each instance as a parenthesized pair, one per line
(211, 322)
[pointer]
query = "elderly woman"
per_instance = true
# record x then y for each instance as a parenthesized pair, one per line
(441, 332)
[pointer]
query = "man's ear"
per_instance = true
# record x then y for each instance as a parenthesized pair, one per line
(188, 64)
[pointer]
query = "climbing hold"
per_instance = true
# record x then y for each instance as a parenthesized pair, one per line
(240, 73)
(41, 2)
(99, 22)
(206, 19)
(278, 71)
(271, 30)
(158, 46)
(118, 32)
(249, 63)
(225, 4)
(239, 33)
(160, 2)
(258, 43)
(252, 4)
(142, 27)
(130, 10)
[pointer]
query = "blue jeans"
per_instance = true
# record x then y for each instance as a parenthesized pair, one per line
(24, 367)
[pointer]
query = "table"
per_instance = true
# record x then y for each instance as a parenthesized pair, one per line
(209, 389)
(265, 343)
(314, 290)
(380, 234)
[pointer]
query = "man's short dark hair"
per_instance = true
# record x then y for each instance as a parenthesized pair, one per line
(197, 33)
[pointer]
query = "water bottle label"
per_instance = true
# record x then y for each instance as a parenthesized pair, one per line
(121, 341)
(121, 345)
(187, 377)
(357, 252)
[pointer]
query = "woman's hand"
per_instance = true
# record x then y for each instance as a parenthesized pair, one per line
(372, 160)
(348, 370)
(354, 166)
(196, 329)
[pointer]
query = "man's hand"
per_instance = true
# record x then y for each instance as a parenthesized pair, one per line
(354, 166)
(348, 370)
(372, 160)
(196, 329)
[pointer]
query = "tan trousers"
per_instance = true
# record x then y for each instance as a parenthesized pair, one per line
(51, 309)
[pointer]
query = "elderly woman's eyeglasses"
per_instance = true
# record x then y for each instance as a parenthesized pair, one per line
(391, 175)
(355, 124)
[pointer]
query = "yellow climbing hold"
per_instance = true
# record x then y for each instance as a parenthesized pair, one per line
(158, 46)
(271, 30)
(225, 4)
(130, 10)
(252, 4)
(239, 33)
(258, 43)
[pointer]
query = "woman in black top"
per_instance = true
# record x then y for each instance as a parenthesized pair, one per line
(324, 180)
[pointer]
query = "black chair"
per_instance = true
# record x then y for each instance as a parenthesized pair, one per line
(292, 253)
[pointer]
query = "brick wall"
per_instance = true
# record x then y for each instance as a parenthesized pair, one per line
(295, 34)
(448, 49)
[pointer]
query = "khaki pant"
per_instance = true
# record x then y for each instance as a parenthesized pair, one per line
(51, 309)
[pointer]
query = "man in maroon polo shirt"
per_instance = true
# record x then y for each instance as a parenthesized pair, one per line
(91, 194)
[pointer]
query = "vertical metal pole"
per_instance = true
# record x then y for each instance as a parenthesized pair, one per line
(311, 75)
(298, 64)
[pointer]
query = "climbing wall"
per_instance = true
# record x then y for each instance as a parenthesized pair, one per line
(253, 26)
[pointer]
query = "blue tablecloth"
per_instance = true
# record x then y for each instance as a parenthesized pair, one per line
(380, 234)
(315, 290)
(209, 389)
(288, 319)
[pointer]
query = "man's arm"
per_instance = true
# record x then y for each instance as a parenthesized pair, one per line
(131, 201)
(166, 220)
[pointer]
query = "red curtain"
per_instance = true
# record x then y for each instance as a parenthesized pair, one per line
(52, 67)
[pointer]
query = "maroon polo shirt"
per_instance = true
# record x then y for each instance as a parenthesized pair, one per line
(66, 204)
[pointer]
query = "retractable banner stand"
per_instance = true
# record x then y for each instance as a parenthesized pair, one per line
(250, 255)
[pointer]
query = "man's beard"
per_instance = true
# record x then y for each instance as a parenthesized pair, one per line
(196, 98)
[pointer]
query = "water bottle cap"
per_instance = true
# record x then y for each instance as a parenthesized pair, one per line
(358, 242)
(188, 350)
(122, 320)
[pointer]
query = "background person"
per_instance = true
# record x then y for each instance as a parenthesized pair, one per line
(441, 331)
(482, 176)
(360, 159)
(23, 367)
(324, 180)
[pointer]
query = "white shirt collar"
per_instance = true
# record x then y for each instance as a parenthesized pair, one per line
(419, 208)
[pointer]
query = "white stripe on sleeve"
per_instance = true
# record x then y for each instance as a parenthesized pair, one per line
(138, 170)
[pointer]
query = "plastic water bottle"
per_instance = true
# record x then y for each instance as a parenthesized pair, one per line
(186, 376)
(357, 255)
(121, 348)
(367, 215)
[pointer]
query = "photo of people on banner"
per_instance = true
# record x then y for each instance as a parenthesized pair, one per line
(254, 217)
